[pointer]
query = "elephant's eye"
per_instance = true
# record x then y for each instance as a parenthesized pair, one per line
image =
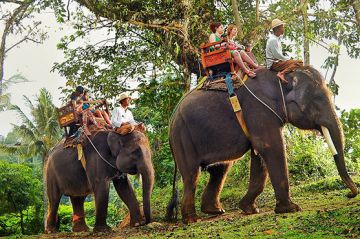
(137, 153)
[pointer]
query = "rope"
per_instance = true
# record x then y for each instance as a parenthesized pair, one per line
(100, 154)
(283, 101)
(262, 102)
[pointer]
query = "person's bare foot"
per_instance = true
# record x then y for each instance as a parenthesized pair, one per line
(282, 77)
(251, 74)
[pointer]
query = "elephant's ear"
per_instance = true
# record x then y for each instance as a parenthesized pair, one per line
(114, 143)
(298, 93)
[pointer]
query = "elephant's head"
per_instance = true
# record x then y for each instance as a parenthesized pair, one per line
(309, 106)
(133, 155)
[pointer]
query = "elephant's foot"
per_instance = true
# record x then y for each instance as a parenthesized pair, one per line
(51, 229)
(248, 208)
(288, 207)
(103, 228)
(80, 226)
(187, 219)
(215, 209)
(137, 222)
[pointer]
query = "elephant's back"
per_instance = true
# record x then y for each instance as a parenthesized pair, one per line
(200, 107)
(205, 122)
(65, 172)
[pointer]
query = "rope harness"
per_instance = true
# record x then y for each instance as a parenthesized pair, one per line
(283, 121)
(97, 151)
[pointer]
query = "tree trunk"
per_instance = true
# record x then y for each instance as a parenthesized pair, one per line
(186, 6)
(9, 23)
(304, 9)
(257, 13)
(237, 17)
(356, 5)
(22, 222)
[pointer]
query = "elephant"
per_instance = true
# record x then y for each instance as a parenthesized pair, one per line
(204, 133)
(109, 157)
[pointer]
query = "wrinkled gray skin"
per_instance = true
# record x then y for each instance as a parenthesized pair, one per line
(65, 176)
(204, 132)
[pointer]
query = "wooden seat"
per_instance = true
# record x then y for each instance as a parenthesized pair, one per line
(216, 58)
(69, 117)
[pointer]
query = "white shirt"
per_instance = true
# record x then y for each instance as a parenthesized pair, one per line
(119, 115)
(274, 51)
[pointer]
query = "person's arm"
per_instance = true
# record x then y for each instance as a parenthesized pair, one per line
(116, 119)
(212, 38)
(276, 50)
(131, 119)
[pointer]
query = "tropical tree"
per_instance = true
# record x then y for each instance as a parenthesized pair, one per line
(38, 133)
(4, 94)
(145, 35)
(18, 194)
(16, 17)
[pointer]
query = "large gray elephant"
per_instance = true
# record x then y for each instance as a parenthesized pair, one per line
(204, 133)
(116, 155)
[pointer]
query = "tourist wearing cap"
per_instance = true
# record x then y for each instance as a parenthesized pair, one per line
(275, 60)
(122, 118)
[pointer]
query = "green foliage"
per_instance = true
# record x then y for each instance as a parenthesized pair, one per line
(155, 105)
(4, 95)
(39, 133)
(19, 188)
(329, 184)
(308, 155)
(115, 215)
(20, 200)
(351, 125)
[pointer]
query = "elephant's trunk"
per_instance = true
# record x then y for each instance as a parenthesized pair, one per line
(333, 135)
(147, 182)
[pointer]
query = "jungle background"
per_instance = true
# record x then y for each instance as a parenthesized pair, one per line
(151, 49)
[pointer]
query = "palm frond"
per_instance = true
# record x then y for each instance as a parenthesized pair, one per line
(20, 150)
(24, 133)
(4, 101)
(15, 79)
(25, 120)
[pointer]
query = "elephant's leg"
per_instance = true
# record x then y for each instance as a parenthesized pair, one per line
(78, 219)
(190, 179)
(54, 196)
(274, 155)
(101, 193)
(210, 200)
(126, 193)
(258, 176)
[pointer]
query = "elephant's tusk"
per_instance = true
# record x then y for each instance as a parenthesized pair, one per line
(329, 140)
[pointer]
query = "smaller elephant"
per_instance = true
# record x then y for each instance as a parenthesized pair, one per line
(114, 157)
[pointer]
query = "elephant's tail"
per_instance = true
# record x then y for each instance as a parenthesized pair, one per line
(172, 208)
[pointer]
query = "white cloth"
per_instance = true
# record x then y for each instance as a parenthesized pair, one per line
(274, 51)
(119, 116)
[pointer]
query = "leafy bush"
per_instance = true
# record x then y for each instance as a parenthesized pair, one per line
(308, 155)
(20, 201)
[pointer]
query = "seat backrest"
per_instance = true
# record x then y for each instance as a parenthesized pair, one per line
(67, 115)
(216, 56)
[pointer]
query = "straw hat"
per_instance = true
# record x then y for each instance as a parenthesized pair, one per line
(123, 96)
(276, 22)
